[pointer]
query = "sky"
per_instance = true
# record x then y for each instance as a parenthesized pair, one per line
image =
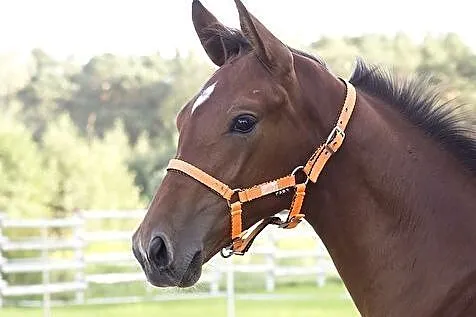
(87, 27)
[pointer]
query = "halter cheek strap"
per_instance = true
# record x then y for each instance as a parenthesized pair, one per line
(318, 160)
(242, 240)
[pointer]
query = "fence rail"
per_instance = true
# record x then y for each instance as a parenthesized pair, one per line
(81, 255)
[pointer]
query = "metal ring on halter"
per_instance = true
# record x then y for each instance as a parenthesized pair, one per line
(300, 168)
(236, 190)
(227, 252)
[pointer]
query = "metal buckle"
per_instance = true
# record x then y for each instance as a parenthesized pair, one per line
(300, 168)
(337, 130)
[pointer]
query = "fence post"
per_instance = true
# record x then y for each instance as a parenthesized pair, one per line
(230, 288)
(2, 259)
(46, 272)
(321, 271)
(216, 275)
(215, 283)
(78, 233)
(271, 262)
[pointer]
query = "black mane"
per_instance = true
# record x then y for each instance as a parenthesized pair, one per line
(420, 101)
(413, 97)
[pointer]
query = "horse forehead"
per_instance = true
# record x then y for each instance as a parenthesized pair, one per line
(224, 77)
(204, 95)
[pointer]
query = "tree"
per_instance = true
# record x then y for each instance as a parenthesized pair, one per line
(86, 174)
(46, 92)
(24, 183)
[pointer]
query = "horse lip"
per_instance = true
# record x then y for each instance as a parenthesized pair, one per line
(169, 277)
(193, 272)
(161, 278)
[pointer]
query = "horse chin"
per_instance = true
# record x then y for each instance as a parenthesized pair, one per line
(193, 272)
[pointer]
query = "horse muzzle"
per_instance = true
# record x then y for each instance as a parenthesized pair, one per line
(162, 266)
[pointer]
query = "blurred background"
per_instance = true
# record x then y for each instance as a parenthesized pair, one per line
(89, 91)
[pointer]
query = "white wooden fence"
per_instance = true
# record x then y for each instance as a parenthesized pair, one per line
(75, 253)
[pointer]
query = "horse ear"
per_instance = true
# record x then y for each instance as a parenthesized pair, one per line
(210, 32)
(269, 49)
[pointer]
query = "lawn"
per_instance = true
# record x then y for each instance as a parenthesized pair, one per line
(298, 301)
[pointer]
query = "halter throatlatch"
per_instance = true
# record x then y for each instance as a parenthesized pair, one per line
(241, 241)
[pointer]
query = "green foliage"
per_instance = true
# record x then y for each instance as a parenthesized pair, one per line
(63, 172)
(46, 91)
(149, 159)
(88, 174)
(24, 189)
(446, 58)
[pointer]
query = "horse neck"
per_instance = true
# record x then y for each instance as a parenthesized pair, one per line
(395, 210)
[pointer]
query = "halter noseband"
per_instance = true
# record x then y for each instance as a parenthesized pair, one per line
(240, 244)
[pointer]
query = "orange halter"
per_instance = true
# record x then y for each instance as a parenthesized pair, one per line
(240, 244)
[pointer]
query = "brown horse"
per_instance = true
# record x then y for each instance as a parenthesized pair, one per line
(395, 207)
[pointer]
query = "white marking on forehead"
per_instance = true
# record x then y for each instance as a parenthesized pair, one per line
(206, 93)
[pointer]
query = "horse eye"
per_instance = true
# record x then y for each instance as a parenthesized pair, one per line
(243, 123)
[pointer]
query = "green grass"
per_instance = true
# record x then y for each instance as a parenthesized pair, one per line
(306, 301)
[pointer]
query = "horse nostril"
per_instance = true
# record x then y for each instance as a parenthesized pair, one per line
(159, 253)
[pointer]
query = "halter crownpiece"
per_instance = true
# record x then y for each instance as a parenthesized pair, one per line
(241, 241)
